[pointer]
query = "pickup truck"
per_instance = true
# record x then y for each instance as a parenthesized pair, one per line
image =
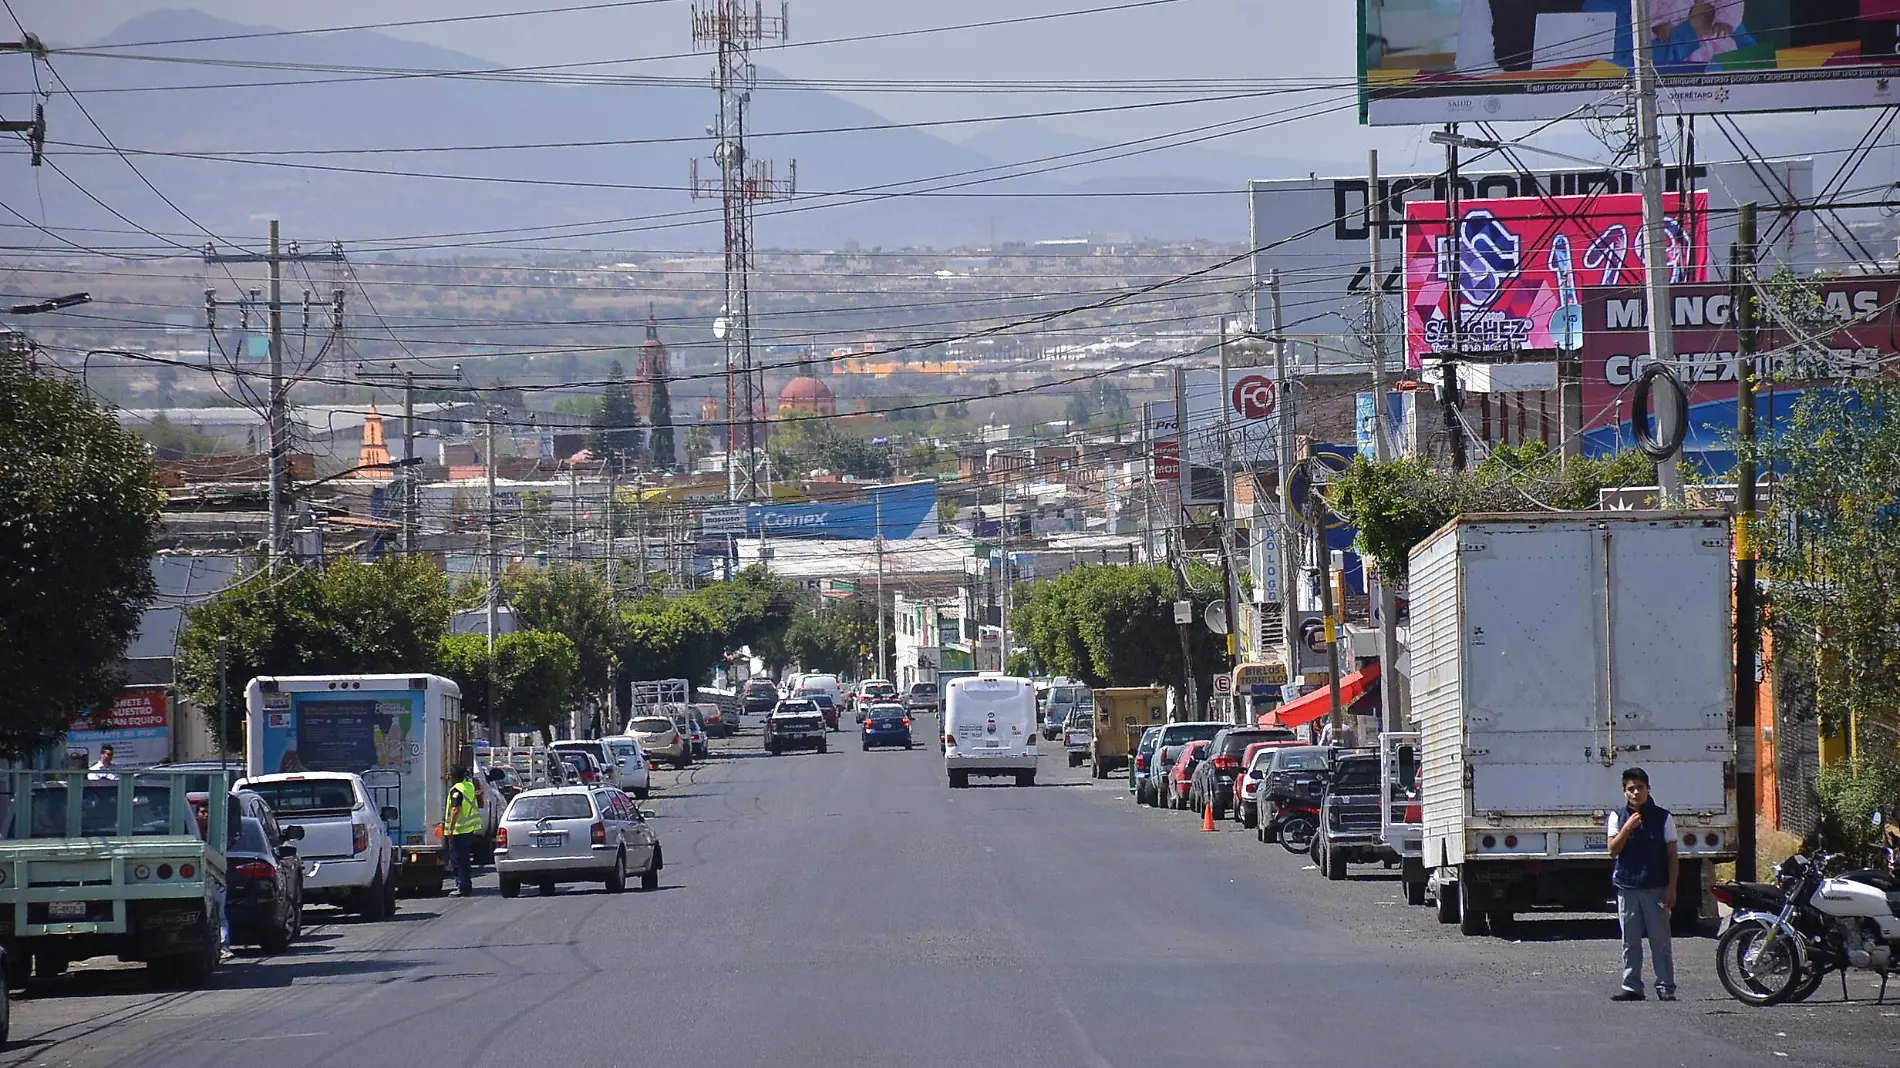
(111, 865)
(348, 857)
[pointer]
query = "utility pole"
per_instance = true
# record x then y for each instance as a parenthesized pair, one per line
(1323, 557)
(1179, 551)
(732, 28)
(1454, 302)
(411, 477)
(1747, 626)
(224, 709)
(640, 528)
(1283, 470)
(1662, 339)
(493, 600)
(35, 127)
(276, 416)
(1227, 516)
(1388, 603)
(613, 539)
(877, 504)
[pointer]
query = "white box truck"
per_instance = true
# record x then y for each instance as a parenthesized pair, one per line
(1549, 653)
(400, 733)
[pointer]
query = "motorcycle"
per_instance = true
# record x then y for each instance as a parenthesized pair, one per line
(1785, 937)
(1296, 824)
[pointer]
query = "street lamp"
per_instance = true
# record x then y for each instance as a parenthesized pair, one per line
(70, 300)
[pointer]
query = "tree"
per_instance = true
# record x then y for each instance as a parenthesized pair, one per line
(661, 444)
(839, 639)
(533, 678)
(1830, 554)
(810, 442)
(698, 445)
(678, 639)
(573, 601)
(1399, 503)
(79, 514)
(615, 433)
(1113, 625)
(347, 618)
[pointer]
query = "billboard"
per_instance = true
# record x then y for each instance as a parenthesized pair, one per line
(1855, 328)
(907, 510)
(1313, 232)
(1434, 61)
(1520, 266)
(137, 725)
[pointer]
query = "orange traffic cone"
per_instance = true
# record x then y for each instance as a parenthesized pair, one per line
(1207, 817)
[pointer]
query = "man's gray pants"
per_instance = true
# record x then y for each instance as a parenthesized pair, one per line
(1641, 912)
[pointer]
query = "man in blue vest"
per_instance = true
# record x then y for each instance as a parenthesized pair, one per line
(1643, 841)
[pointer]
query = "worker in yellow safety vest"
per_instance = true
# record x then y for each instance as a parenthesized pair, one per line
(461, 824)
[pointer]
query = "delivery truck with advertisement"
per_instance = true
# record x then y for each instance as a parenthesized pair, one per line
(1550, 652)
(400, 733)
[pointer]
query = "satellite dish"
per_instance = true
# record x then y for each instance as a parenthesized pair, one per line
(1216, 616)
(721, 327)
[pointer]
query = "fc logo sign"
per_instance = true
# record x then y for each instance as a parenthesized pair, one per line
(1254, 397)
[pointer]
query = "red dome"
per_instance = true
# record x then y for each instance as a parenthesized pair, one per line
(809, 394)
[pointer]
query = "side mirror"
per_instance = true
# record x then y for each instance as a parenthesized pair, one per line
(645, 813)
(391, 814)
(293, 833)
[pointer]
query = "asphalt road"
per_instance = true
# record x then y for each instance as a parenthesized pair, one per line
(848, 909)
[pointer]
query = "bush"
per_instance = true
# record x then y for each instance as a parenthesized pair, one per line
(1850, 793)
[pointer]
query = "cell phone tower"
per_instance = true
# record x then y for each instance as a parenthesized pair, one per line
(732, 28)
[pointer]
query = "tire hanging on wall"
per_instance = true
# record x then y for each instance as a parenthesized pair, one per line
(1653, 447)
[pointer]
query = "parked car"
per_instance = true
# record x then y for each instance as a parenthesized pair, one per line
(1181, 775)
(697, 732)
(1061, 700)
(1152, 787)
(759, 697)
(921, 698)
(506, 780)
(1292, 786)
(630, 764)
(576, 834)
(1349, 816)
(623, 767)
(1138, 762)
(886, 724)
(263, 896)
(718, 725)
(1214, 778)
(348, 858)
(827, 706)
(795, 724)
(1078, 733)
(660, 739)
(1247, 784)
(585, 767)
(871, 692)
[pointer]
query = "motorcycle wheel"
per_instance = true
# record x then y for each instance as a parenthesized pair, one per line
(1810, 982)
(1296, 834)
(1754, 974)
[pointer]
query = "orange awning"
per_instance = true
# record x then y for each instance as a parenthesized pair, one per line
(1303, 710)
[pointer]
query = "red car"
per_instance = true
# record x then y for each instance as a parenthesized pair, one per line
(1181, 776)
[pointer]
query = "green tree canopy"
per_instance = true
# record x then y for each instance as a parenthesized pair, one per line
(533, 678)
(346, 618)
(79, 512)
(574, 601)
(1113, 625)
(615, 431)
(810, 442)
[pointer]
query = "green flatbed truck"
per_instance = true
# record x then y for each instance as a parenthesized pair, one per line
(112, 865)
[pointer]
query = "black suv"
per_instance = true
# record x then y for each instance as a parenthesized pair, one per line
(1349, 816)
(1214, 777)
(795, 725)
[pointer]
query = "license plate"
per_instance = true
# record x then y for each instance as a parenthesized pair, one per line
(993, 744)
(66, 910)
(550, 841)
(1596, 842)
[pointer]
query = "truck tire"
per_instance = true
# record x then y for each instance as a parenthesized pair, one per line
(1025, 778)
(1414, 891)
(1250, 818)
(49, 965)
(511, 886)
(374, 904)
(959, 780)
(1687, 915)
(1471, 915)
(1335, 863)
(1447, 900)
(1412, 877)
(19, 967)
(188, 971)
(1075, 760)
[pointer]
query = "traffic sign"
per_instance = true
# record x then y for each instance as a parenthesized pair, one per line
(1223, 685)
(1254, 397)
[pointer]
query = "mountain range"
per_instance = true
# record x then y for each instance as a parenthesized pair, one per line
(316, 152)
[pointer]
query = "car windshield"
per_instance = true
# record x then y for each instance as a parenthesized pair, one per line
(651, 724)
(306, 797)
(1301, 760)
(887, 712)
(623, 749)
(99, 811)
(551, 807)
(794, 708)
(1356, 775)
(922, 689)
(1192, 732)
(1237, 742)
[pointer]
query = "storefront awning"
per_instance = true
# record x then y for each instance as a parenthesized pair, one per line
(1303, 710)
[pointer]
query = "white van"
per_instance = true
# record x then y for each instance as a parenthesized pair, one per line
(825, 684)
(989, 728)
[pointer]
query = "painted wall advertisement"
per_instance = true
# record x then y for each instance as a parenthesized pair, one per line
(137, 725)
(1848, 332)
(1431, 61)
(317, 732)
(907, 510)
(1520, 267)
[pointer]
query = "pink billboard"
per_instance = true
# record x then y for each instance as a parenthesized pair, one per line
(1521, 265)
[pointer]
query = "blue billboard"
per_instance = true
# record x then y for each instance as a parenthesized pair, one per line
(907, 510)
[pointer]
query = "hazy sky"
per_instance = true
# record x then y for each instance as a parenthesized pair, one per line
(1300, 39)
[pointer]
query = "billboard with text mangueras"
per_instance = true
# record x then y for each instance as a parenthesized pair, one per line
(1851, 336)
(1520, 266)
(1433, 61)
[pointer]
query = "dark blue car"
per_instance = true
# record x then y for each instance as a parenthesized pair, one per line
(887, 724)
